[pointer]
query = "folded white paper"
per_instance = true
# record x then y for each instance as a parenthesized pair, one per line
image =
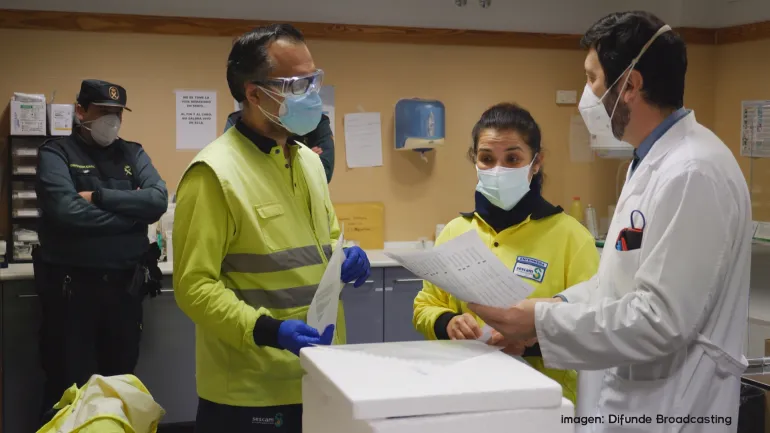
(323, 308)
(467, 268)
(486, 333)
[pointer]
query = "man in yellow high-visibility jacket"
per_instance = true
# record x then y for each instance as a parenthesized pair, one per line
(253, 231)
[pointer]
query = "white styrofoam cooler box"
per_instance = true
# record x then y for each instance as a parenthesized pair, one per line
(425, 386)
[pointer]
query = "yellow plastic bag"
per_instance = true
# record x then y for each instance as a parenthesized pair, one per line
(116, 404)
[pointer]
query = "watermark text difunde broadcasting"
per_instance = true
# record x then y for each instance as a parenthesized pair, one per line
(647, 419)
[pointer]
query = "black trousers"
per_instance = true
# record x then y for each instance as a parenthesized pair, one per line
(90, 325)
(220, 418)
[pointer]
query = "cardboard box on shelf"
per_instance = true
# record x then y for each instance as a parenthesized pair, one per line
(60, 119)
(27, 118)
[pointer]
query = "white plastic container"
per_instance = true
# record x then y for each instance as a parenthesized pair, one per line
(439, 229)
(592, 223)
(169, 247)
(427, 386)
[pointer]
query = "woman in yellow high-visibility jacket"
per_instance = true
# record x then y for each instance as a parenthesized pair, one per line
(535, 239)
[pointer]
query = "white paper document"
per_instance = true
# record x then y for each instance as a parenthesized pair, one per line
(486, 333)
(363, 140)
(323, 308)
(196, 119)
(755, 138)
(467, 269)
(579, 141)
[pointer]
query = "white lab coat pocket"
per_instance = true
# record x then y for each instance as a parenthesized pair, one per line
(633, 405)
(619, 272)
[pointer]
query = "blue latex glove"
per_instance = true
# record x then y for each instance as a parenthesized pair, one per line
(355, 267)
(293, 335)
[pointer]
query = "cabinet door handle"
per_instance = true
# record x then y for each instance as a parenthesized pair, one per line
(403, 281)
(376, 289)
(27, 296)
(166, 290)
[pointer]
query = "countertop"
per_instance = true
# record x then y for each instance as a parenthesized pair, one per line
(23, 271)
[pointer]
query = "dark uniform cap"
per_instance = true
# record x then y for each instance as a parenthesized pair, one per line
(98, 92)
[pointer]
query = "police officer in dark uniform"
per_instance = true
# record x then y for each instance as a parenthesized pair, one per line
(98, 193)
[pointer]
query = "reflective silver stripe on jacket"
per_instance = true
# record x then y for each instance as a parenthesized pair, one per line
(292, 297)
(275, 262)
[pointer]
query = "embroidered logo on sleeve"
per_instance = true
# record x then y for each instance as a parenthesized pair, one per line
(529, 268)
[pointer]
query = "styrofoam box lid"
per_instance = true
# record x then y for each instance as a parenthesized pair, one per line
(386, 380)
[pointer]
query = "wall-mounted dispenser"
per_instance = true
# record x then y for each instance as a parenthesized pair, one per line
(419, 124)
(611, 148)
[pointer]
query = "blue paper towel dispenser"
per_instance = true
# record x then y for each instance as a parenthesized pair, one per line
(419, 124)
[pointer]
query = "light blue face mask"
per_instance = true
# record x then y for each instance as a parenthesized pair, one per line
(299, 114)
(504, 187)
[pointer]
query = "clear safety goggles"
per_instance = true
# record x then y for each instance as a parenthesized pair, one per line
(297, 85)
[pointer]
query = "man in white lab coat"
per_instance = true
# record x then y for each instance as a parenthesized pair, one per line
(662, 324)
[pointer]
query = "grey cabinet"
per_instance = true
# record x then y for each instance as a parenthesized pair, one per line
(364, 318)
(401, 287)
(22, 375)
(167, 357)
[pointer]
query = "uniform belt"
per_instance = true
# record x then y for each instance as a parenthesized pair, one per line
(78, 274)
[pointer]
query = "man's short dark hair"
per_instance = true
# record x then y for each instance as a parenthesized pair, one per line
(249, 62)
(619, 37)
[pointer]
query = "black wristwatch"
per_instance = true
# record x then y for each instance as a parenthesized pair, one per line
(96, 197)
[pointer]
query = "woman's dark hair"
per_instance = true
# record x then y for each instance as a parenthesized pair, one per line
(507, 116)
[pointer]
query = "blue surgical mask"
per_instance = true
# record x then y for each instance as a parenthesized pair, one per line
(299, 114)
(504, 187)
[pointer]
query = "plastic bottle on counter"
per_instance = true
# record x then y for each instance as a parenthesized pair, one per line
(591, 222)
(169, 247)
(439, 229)
(576, 209)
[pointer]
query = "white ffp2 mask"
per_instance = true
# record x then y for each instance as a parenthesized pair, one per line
(104, 130)
(504, 187)
(591, 107)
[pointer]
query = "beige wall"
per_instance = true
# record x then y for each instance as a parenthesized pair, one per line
(742, 73)
(369, 76)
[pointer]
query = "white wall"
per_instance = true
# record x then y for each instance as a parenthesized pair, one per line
(549, 16)
(699, 13)
(735, 12)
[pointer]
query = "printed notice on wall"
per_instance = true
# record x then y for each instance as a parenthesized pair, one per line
(579, 141)
(363, 140)
(196, 119)
(755, 129)
(363, 223)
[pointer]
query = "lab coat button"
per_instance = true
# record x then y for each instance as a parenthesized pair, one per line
(497, 244)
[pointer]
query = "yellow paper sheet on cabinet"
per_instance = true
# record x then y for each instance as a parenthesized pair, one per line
(363, 223)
